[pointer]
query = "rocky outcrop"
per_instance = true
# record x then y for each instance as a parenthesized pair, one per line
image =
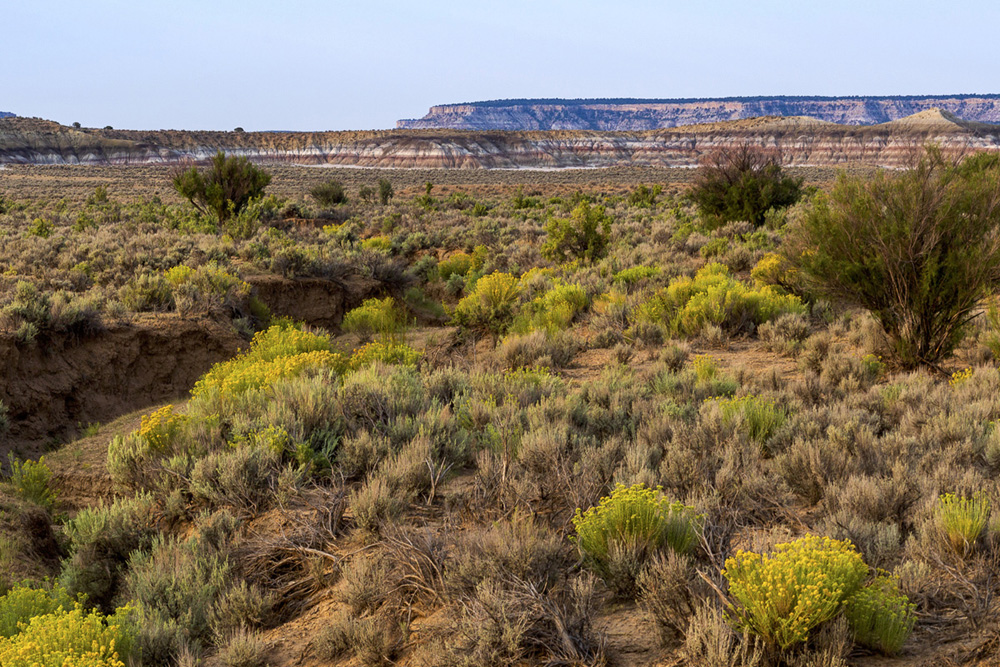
(636, 114)
(802, 141)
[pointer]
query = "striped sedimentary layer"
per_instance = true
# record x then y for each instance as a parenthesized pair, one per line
(802, 142)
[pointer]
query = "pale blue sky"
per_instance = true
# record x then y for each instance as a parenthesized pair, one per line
(307, 64)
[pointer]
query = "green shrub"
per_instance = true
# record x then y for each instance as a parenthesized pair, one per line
(584, 235)
(329, 194)
(629, 526)
(553, 311)
(177, 584)
(743, 183)
(714, 248)
(490, 306)
(41, 228)
(785, 594)
(101, 539)
(30, 481)
(714, 297)
(459, 263)
(385, 351)
(207, 288)
(963, 519)
(931, 232)
(381, 316)
(71, 638)
(225, 188)
(633, 275)
(147, 293)
(880, 616)
(758, 417)
(23, 602)
(381, 244)
(385, 191)
(644, 196)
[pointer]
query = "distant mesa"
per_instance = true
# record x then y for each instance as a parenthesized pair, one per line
(801, 139)
(630, 115)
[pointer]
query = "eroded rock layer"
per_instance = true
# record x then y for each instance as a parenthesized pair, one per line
(802, 142)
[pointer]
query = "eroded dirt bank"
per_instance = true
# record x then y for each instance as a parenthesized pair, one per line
(60, 383)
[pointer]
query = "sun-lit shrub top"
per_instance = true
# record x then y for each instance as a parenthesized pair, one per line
(880, 616)
(713, 296)
(381, 244)
(459, 263)
(278, 353)
(29, 480)
(634, 274)
(208, 277)
(963, 519)
(784, 594)
(635, 515)
(759, 417)
(161, 428)
(552, 311)
(69, 638)
(774, 269)
(375, 316)
(22, 603)
(385, 351)
(490, 305)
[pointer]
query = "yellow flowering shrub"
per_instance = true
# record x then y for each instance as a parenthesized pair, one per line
(22, 603)
(490, 306)
(774, 269)
(784, 594)
(69, 638)
(880, 616)
(963, 519)
(278, 353)
(161, 428)
(638, 516)
(959, 377)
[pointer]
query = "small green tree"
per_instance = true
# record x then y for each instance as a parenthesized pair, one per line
(225, 188)
(329, 194)
(743, 183)
(385, 191)
(583, 235)
(919, 249)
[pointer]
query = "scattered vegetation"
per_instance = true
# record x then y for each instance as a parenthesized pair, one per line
(543, 413)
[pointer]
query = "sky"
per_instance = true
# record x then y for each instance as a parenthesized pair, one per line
(314, 65)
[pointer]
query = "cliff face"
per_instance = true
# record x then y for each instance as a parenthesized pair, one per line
(636, 115)
(802, 141)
